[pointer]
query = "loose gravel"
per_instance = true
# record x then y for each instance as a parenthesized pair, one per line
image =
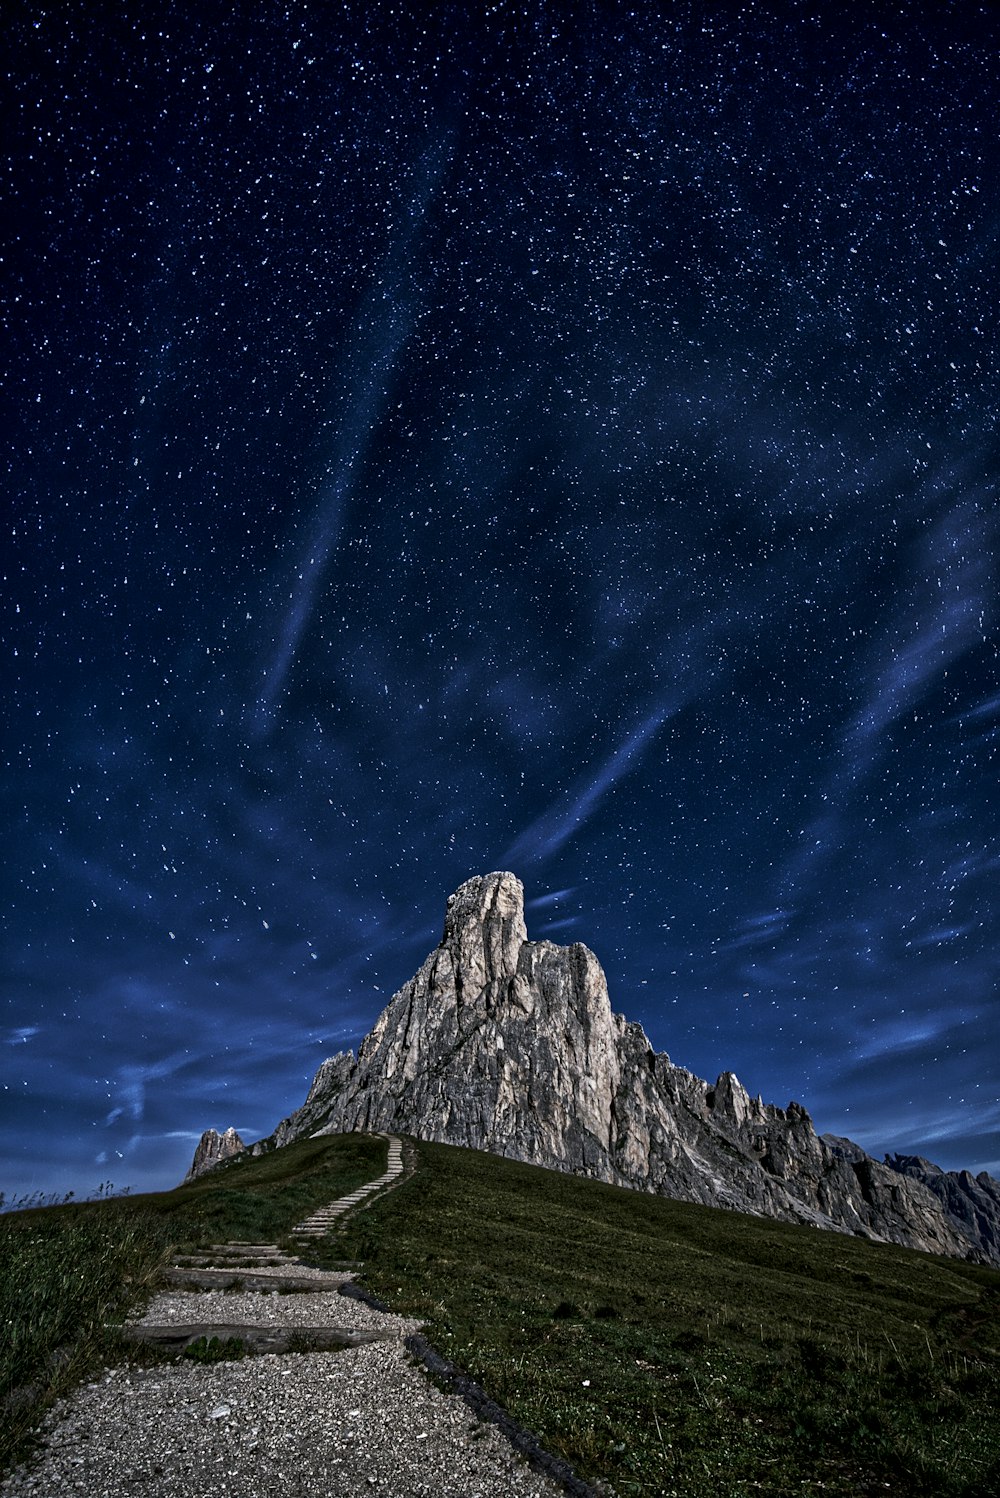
(269, 1308)
(332, 1424)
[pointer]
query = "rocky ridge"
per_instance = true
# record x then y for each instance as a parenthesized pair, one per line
(971, 1201)
(212, 1149)
(511, 1046)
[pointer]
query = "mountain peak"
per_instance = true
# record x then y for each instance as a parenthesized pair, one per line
(484, 926)
(212, 1149)
(482, 891)
(507, 1045)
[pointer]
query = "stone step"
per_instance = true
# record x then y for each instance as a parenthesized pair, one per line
(320, 1221)
(241, 1264)
(254, 1338)
(231, 1261)
(293, 1278)
(247, 1250)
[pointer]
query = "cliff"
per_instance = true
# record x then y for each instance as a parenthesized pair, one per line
(212, 1149)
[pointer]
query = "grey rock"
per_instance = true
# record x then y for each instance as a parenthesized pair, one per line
(846, 1149)
(510, 1046)
(212, 1149)
(972, 1201)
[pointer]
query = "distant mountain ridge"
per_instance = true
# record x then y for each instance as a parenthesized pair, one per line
(511, 1046)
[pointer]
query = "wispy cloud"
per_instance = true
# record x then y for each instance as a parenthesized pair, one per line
(383, 327)
(930, 1132)
(913, 1032)
(563, 925)
(549, 832)
(555, 897)
(21, 1034)
(757, 930)
(988, 709)
(131, 1083)
(940, 616)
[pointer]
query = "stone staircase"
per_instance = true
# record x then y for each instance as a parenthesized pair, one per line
(245, 1271)
(325, 1218)
(279, 1377)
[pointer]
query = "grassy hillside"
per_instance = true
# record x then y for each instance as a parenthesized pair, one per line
(69, 1274)
(663, 1347)
(260, 1200)
(676, 1349)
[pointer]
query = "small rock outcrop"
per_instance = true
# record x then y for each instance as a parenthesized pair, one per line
(511, 1046)
(212, 1149)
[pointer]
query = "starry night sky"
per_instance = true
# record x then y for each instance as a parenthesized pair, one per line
(556, 438)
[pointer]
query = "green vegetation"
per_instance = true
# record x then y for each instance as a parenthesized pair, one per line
(259, 1201)
(70, 1274)
(662, 1347)
(674, 1349)
(67, 1275)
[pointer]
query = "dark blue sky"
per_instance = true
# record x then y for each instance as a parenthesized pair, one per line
(551, 438)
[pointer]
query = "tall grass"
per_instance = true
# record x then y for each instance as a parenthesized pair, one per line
(68, 1276)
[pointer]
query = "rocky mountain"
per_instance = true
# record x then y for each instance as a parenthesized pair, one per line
(507, 1045)
(972, 1201)
(212, 1149)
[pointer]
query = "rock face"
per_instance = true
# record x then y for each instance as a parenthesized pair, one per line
(972, 1201)
(510, 1046)
(212, 1149)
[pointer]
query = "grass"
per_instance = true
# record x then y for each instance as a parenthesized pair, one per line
(259, 1201)
(70, 1274)
(660, 1347)
(67, 1275)
(672, 1349)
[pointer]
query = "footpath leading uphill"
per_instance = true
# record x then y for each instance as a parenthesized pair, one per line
(320, 1395)
(325, 1218)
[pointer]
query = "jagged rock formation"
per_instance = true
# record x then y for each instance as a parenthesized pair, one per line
(511, 1046)
(212, 1149)
(972, 1201)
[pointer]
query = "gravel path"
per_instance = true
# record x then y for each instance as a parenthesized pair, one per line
(268, 1308)
(323, 1425)
(296, 1425)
